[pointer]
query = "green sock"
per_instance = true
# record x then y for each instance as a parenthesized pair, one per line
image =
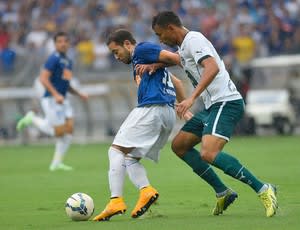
(232, 167)
(204, 170)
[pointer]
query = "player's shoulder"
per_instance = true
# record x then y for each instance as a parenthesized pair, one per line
(54, 56)
(194, 38)
(194, 35)
(146, 45)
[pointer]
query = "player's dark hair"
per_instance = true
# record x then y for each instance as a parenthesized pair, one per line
(165, 18)
(60, 34)
(119, 36)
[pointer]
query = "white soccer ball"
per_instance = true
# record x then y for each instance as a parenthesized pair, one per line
(79, 206)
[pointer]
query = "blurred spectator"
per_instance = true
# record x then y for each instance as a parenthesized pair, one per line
(37, 37)
(209, 22)
(85, 49)
(4, 37)
(243, 15)
(244, 49)
(28, 25)
(296, 41)
(275, 44)
(101, 53)
(293, 85)
(293, 7)
(10, 13)
(8, 57)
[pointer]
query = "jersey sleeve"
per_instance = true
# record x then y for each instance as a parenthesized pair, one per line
(199, 49)
(70, 65)
(51, 63)
(149, 52)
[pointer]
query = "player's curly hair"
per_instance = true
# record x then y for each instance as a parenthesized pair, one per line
(119, 36)
(165, 18)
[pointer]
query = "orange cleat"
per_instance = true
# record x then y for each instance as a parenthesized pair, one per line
(148, 196)
(114, 207)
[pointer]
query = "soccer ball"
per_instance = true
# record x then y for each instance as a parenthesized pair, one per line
(79, 206)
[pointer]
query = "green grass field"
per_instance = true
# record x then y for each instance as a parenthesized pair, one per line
(33, 198)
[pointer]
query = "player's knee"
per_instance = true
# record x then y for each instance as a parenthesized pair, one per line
(59, 131)
(208, 155)
(69, 126)
(178, 148)
(211, 146)
(69, 129)
(130, 160)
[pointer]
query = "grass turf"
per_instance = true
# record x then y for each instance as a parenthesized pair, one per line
(31, 197)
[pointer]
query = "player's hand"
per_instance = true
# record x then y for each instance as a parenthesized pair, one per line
(183, 107)
(84, 96)
(143, 68)
(188, 115)
(137, 80)
(59, 98)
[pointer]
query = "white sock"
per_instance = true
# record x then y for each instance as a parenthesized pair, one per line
(43, 125)
(263, 188)
(58, 154)
(136, 172)
(67, 142)
(117, 172)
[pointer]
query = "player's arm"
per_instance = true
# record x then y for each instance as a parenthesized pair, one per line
(210, 70)
(78, 93)
(44, 78)
(180, 94)
(165, 59)
(169, 58)
(150, 68)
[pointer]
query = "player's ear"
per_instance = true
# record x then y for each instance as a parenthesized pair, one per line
(170, 27)
(126, 43)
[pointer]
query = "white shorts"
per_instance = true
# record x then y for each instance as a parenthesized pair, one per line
(147, 129)
(56, 113)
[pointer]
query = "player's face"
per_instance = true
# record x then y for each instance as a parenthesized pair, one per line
(165, 35)
(62, 44)
(121, 53)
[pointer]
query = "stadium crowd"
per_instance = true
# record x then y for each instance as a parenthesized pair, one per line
(239, 29)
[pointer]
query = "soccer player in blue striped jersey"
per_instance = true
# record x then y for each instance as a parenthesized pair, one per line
(146, 129)
(58, 122)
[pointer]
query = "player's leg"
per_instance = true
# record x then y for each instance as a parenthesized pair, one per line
(116, 177)
(59, 150)
(152, 132)
(221, 122)
(64, 136)
(136, 171)
(56, 116)
(123, 143)
(151, 128)
(69, 127)
(32, 119)
(62, 144)
(138, 176)
(183, 145)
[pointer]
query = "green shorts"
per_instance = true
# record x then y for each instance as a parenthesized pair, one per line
(219, 120)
